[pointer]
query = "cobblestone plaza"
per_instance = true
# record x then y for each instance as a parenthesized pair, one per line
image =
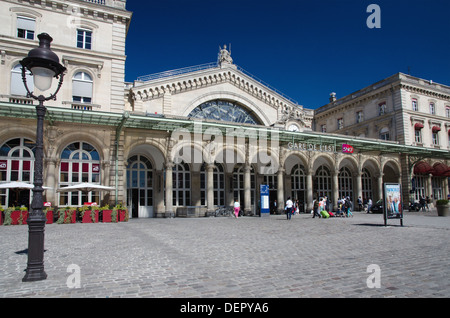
(249, 257)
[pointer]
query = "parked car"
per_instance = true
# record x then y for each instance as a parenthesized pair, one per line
(377, 207)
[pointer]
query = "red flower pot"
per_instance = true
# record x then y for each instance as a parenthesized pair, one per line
(107, 216)
(49, 217)
(72, 218)
(122, 215)
(16, 215)
(87, 217)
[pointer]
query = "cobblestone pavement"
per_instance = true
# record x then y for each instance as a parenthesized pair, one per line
(248, 257)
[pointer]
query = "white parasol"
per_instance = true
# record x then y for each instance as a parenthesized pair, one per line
(85, 187)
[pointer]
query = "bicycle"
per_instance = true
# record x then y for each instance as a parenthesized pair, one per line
(223, 211)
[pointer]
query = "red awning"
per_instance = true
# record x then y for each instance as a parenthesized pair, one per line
(436, 129)
(422, 168)
(440, 170)
(418, 126)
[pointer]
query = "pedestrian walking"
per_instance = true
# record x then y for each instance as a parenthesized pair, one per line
(369, 205)
(237, 208)
(348, 207)
(316, 208)
(289, 208)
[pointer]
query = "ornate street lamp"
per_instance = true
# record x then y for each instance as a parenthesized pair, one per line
(43, 65)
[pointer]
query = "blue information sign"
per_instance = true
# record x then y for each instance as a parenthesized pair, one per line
(265, 209)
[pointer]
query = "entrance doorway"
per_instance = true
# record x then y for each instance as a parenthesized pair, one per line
(140, 187)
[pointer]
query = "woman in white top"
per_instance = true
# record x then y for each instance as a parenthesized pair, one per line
(237, 207)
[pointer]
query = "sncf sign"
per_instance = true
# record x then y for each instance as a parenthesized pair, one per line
(347, 148)
(3, 164)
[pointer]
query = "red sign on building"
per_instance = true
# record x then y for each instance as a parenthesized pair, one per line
(347, 148)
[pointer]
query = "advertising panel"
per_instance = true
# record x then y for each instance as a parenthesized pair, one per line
(393, 208)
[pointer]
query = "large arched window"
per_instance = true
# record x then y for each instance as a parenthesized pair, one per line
(323, 182)
(238, 184)
(218, 185)
(80, 162)
(345, 183)
(366, 181)
(222, 110)
(298, 183)
(16, 164)
(82, 85)
(181, 185)
(139, 184)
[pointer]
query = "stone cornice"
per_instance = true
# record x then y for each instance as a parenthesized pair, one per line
(81, 9)
(213, 76)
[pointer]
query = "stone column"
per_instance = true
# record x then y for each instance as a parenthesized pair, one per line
(309, 190)
(247, 190)
(280, 194)
(335, 187)
(50, 180)
(429, 186)
(210, 189)
(380, 187)
(358, 188)
(169, 190)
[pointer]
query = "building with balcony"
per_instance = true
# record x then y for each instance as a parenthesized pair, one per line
(402, 108)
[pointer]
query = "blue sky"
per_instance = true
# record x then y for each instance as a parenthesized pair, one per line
(306, 49)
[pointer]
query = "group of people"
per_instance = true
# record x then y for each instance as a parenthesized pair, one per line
(291, 208)
(322, 208)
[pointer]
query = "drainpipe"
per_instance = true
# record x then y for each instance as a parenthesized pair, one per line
(119, 129)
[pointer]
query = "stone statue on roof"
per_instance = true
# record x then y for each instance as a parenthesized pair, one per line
(225, 55)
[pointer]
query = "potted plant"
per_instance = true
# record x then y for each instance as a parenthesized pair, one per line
(16, 216)
(49, 213)
(109, 215)
(122, 212)
(19, 216)
(88, 214)
(443, 207)
(66, 215)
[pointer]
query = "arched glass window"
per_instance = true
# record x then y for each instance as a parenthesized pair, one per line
(345, 183)
(420, 186)
(323, 182)
(17, 86)
(139, 183)
(80, 162)
(238, 184)
(298, 183)
(366, 180)
(218, 185)
(181, 185)
(82, 85)
(16, 164)
(222, 110)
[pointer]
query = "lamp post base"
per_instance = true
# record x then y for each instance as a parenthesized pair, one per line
(35, 267)
(34, 275)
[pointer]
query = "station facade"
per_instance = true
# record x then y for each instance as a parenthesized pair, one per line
(181, 143)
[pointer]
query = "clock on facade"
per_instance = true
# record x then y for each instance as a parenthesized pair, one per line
(293, 128)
